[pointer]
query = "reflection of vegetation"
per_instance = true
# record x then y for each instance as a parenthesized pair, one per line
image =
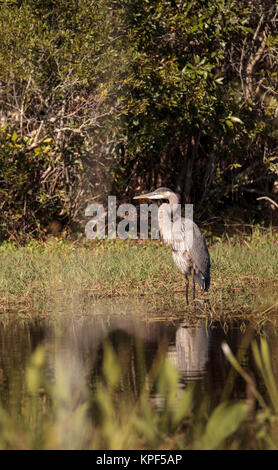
(163, 416)
(64, 276)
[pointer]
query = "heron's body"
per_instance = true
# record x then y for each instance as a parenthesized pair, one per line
(195, 258)
(189, 249)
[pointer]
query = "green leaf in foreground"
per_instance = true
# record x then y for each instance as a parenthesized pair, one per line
(224, 421)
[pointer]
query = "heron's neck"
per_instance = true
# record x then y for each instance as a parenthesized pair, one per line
(173, 199)
(165, 213)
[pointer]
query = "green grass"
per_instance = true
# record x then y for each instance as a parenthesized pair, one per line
(59, 274)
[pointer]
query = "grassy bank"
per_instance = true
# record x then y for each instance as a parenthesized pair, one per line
(63, 275)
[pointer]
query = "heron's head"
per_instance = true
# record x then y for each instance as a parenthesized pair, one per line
(160, 193)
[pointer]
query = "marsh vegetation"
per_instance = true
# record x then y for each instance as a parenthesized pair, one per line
(97, 346)
(46, 276)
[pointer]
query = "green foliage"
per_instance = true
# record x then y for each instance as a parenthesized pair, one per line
(30, 201)
(263, 361)
(223, 422)
(109, 96)
(58, 109)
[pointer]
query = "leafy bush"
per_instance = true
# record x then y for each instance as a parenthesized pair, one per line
(110, 96)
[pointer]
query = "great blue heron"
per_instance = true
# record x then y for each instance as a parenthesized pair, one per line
(189, 249)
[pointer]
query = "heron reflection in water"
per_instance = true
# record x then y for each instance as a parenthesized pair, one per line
(189, 248)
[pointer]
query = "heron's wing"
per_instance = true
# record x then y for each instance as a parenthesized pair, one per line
(182, 235)
(188, 238)
(200, 258)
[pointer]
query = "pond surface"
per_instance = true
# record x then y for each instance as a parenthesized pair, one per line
(138, 335)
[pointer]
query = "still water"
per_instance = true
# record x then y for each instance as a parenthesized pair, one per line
(137, 335)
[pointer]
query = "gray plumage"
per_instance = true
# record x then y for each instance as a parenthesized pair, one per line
(189, 248)
(195, 257)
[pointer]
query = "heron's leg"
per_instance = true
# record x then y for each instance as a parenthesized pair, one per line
(186, 288)
(193, 287)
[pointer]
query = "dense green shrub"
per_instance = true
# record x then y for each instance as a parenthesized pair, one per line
(111, 96)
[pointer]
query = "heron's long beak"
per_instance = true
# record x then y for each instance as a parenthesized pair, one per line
(152, 195)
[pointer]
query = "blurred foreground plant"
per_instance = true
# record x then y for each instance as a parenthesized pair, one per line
(157, 415)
